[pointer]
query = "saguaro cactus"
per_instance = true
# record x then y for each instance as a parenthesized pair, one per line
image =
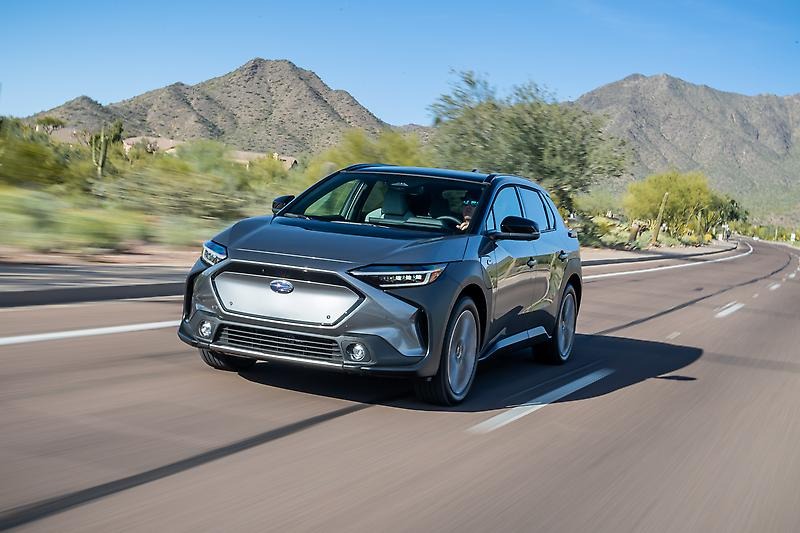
(99, 147)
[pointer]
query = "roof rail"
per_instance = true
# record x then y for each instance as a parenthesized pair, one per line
(490, 177)
(364, 165)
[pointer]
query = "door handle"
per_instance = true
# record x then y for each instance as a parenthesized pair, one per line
(531, 262)
(562, 255)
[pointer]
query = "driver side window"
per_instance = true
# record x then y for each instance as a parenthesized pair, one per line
(506, 204)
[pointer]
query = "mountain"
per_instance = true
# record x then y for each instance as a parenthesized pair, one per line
(749, 146)
(263, 106)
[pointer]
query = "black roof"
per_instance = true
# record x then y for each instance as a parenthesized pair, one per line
(479, 177)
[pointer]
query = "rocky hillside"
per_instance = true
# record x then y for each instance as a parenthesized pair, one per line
(261, 106)
(748, 145)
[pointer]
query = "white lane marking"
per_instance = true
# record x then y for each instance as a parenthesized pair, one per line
(755, 295)
(668, 267)
(534, 404)
(673, 335)
(57, 335)
(774, 286)
(792, 275)
(727, 305)
(729, 310)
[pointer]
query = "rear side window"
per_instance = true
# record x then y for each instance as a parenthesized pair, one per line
(553, 211)
(535, 209)
(505, 204)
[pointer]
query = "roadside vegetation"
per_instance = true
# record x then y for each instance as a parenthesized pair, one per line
(93, 194)
(526, 133)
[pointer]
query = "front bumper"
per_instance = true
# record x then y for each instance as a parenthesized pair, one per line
(395, 332)
(383, 358)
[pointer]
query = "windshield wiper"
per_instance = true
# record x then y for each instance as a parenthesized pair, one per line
(296, 215)
(407, 227)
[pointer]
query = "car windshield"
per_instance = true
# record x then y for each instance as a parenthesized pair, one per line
(408, 202)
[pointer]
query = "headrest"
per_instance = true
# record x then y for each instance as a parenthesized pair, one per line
(439, 206)
(395, 203)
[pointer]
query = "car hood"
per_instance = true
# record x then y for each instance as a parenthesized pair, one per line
(303, 242)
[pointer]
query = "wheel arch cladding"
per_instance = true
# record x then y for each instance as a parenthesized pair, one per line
(476, 294)
(575, 281)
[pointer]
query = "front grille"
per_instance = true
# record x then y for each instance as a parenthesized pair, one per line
(272, 342)
(284, 272)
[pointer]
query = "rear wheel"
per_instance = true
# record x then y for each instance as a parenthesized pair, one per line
(459, 358)
(558, 349)
(222, 361)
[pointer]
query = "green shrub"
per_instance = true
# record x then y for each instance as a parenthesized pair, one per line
(185, 230)
(104, 229)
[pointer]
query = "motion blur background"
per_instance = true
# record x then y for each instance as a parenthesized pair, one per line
(526, 88)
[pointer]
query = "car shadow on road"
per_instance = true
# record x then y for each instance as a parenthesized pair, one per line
(506, 380)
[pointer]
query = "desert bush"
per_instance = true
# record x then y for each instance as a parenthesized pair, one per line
(42, 221)
(596, 203)
(105, 229)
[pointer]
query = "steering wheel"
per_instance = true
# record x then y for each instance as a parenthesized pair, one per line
(448, 218)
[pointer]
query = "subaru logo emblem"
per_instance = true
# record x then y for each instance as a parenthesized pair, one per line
(281, 286)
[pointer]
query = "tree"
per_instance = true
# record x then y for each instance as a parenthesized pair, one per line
(692, 206)
(560, 146)
(357, 147)
(115, 132)
(50, 124)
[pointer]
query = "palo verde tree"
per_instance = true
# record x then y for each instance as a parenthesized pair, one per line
(357, 147)
(49, 124)
(691, 207)
(560, 146)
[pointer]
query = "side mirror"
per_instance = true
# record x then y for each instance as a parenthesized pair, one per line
(280, 202)
(516, 229)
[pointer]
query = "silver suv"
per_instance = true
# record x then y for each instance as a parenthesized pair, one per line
(379, 269)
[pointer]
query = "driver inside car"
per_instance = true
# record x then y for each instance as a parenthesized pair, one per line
(467, 211)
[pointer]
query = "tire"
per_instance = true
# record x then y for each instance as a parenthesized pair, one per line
(558, 348)
(459, 358)
(221, 361)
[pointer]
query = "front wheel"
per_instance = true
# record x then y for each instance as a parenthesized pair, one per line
(222, 361)
(459, 359)
(558, 349)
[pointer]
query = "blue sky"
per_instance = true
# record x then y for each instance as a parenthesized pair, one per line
(394, 57)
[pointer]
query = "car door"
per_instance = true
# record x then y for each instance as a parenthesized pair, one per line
(549, 269)
(560, 244)
(510, 271)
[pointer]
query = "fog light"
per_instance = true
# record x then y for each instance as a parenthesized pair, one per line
(205, 329)
(357, 352)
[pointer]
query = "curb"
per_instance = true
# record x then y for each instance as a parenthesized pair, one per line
(89, 294)
(654, 257)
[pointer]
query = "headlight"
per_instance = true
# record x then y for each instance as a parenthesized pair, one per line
(213, 252)
(399, 276)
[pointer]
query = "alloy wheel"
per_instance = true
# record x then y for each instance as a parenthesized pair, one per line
(566, 326)
(462, 353)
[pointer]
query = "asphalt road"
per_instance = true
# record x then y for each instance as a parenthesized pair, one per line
(679, 412)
